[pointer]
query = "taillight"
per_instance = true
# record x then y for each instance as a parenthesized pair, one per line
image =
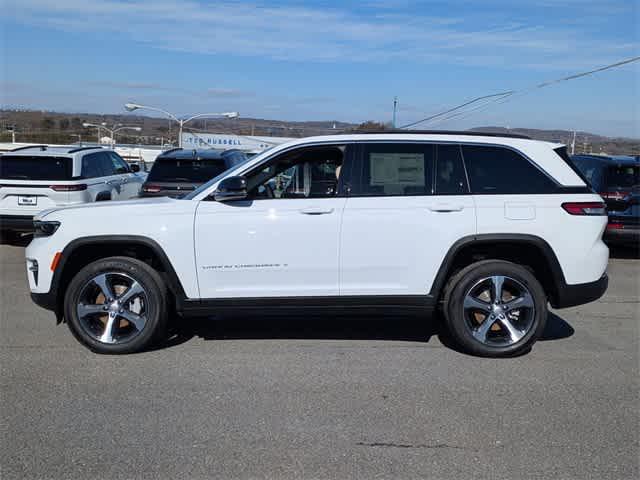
(614, 195)
(585, 208)
(69, 188)
(148, 188)
(615, 226)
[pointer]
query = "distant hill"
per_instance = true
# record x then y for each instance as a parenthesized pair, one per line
(585, 142)
(59, 127)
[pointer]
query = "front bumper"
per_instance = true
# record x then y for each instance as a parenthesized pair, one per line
(581, 293)
(17, 223)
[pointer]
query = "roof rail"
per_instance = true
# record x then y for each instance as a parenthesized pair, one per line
(79, 149)
(471, 133)
(41, 147)
(170, 150)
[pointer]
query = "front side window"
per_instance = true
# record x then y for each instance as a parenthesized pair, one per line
(119, 164)
(500, 170)
(391, 169)
(312, 172)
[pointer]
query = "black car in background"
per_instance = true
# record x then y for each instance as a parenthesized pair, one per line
(178, 171)
(617, 180)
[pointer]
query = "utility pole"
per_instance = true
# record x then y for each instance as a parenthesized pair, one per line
(395, 110)
(573, 144)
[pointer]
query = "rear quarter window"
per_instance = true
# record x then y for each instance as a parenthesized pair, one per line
(499, 170)
(23, 167)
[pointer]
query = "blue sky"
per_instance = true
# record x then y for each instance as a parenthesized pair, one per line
(328, 60)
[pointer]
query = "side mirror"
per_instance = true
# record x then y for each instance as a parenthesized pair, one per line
(231, 188)
(135, 168)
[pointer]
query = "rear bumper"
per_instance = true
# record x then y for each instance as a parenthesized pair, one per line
(581, 293)
(622, 235)
(18, 223)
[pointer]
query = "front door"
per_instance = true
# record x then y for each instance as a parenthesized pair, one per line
(284, 239)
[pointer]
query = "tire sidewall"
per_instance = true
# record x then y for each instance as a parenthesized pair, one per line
(150, 281)
(455, 316)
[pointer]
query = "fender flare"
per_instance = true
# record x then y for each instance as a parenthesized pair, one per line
(559, 282)
(53, 301)
(103, 196)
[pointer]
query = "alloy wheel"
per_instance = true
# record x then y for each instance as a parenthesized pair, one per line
(112, 308)
(498, 311)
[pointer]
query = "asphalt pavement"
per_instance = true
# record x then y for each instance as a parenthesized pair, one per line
(318, 398)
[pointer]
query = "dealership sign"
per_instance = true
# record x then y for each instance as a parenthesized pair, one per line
(240, 142)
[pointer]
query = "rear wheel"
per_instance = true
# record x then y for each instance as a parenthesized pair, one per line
(495, 308)
(116, 305)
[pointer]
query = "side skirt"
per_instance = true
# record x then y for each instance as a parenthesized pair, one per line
(300, 305)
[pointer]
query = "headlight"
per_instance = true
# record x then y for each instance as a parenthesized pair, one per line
(44, 228)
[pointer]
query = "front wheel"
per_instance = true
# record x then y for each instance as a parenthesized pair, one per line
(495, 308)
(116, 305)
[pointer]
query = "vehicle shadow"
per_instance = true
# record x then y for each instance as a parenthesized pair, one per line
(408, 328)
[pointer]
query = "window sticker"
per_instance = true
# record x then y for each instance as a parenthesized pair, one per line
(398, 168)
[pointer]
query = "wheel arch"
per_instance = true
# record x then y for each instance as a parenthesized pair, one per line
(103, 196)
(82, 251)
(530, 251)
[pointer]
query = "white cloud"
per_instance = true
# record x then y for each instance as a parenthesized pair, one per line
(313, 34)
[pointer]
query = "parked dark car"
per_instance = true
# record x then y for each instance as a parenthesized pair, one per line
(178, 171)
(617, 180)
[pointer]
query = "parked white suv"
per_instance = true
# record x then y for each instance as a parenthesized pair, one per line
(488, 229)
(38, 177)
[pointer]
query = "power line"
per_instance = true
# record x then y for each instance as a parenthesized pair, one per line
(507, 96)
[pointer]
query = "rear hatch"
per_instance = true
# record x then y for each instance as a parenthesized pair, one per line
(29, 184)
(174, 177)
(622, 194)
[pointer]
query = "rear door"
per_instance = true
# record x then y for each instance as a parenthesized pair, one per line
(29, 184)
(399, 223)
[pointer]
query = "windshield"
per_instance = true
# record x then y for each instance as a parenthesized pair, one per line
(18, 167)
(622, 176)
(180, 170)
(205, 186)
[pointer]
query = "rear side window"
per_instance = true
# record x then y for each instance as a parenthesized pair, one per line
(623, 176)
(91, 167)
(18, 167)
(181, 170)
(391, 169)
(498, 170)
(450, 175)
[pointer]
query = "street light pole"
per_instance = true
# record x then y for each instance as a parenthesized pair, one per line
(130, 107)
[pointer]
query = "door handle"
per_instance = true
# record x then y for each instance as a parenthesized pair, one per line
(446, 207)
(316, 211)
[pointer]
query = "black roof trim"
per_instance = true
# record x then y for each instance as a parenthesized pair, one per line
(80, 149)
(41, 147)
(440, 132)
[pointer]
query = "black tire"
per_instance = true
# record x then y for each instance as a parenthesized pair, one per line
(458, 321)
(155, 304)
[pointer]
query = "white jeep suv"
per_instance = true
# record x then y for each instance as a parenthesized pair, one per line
(38, 177)
(486, 229)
